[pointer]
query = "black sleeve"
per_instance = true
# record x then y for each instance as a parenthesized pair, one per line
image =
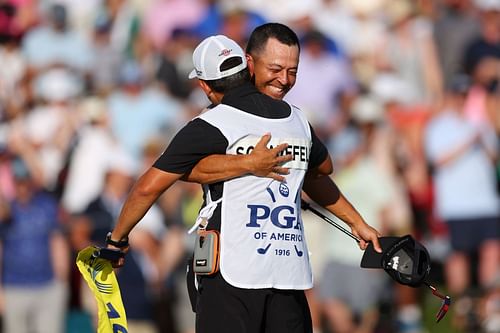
(192, 143)
(319, 152)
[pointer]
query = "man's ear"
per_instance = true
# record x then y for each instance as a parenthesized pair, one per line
(204, 86)
(250, 64)
(213, 96)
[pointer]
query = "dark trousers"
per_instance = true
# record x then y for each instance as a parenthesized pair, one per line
(221, 308)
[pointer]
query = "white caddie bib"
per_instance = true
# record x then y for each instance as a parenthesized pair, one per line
(262, 237)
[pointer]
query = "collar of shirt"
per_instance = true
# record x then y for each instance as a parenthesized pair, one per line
(232, 95)
(247, 98)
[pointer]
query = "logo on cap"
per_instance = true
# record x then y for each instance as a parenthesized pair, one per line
(225, 52)
(209, 55)
(394, 263)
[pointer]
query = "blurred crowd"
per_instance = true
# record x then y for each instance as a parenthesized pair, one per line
(404, 93)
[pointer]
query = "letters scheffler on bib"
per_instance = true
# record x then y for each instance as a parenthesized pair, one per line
(297, 147)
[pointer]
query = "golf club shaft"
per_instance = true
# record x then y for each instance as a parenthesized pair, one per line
(306, 206)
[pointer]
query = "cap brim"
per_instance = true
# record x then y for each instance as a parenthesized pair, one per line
(373, 259)
(192, 75)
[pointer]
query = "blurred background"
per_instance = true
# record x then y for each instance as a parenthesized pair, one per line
(405, 94)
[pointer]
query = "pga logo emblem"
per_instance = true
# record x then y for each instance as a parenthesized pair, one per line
(281, 216)
(284, 190)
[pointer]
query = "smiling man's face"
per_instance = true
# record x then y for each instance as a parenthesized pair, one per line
(275, 68)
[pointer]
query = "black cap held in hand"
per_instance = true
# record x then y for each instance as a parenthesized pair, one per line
(403, 258)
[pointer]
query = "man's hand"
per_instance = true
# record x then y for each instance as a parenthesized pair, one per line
(116, 250)
(366, 234)
(261, 162)
(120, 260)
(265, 162)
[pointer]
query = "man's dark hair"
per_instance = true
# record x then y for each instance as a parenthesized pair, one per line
(237, 79)
(262, 33)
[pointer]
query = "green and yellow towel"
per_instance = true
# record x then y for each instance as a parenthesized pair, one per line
(102, 281)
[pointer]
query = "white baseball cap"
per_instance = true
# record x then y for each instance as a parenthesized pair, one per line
(211, 53)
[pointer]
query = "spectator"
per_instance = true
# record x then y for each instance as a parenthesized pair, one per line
(357, 28)
(137, 103)
(461, 156)
(13, 69)
(386, 207)
(164, 16)
(125, 25)
(174, 62)
(482, 63)
(106, 59)
(409, 52)
(103, 210)
(16, 17)
(34, 259)
(55, 43)
(460, 17)
(351, 295)
(89, 159)
(397, 148)
(487, 43)
(49, 127)
(319, 64)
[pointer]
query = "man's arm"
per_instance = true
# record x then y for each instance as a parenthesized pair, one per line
(262, 162)
(144, 193)
(185, 149)
(453, 154)
(322, 190)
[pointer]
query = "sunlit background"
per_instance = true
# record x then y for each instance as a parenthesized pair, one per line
(404, 94)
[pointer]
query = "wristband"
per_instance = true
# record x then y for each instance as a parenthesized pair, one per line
(108, 254)
(119, 244)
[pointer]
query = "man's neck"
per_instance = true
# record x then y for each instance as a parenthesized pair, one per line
(215, 97)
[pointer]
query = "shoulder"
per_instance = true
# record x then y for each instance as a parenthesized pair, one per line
(280, 104)
(214, 111)
(198, 127)
(248, 99)
(296, 110)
